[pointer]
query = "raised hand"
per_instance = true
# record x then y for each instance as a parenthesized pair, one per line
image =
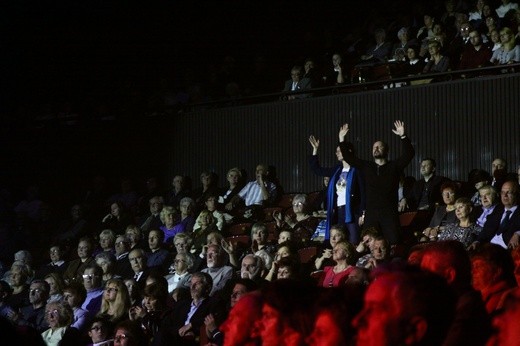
(399, 128)
(343, 130)
(315, 144)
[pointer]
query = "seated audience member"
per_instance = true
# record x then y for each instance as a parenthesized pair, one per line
(57, 263)
(209, 186)
(158, 258)
(122, 266)
(285, 268)
(33, 315)
(207, 225)
(503, 223)
(465, 230)
(135, 237)
(337, 234)
(492, 274)
(252, 268)
(259, 192)
(118, 219)
(107, 262)
(59, 317)
(169, 217)
(56, 285)
(107, 239)
(75, 269)
(509, 52)
(437, 62)
(260, 245)
(379, 254)
(179, 191)
(414, 62)
(115, 302)
(297, 83)
(449, 259)
(421, 301)
(299, 221)
(444, 214)
(343, 256)
(425, 192)
(182, 325)
(506, 331)
(133, 292)
(187, 220)
(211, 206)
(488, 200)
(507, 5)
(236, 329)
(137, 258)
(309, 69)
(494, 41)
(235, 184)
(476, 54)
(180, 273)
(219, 272)
(153, 310)
(476, 15)
(500, 174)
(337, 73)
(18, 277)
(478, 178)
(399, 49)
(152, 219)
(380, 50)
(286, 318)
(368, 236)
(74, 295)
(100, 332)
(93, 284)
(129, 333)
(426, 31)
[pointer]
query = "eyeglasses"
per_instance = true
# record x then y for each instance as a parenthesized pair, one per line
(111, 289)
(179, 261)
(35, 290)
(297, 204)
(120, 337)
(88, 276)
(97, 328)
(53, 313)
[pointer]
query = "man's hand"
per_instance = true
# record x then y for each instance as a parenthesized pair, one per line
(343, 130)
(399, 128)
(185, 330)
(514, 242)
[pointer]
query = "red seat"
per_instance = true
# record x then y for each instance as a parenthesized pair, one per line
(307, 253)
(268, 213)
(241, 241)
(239, 228)
(318, 275)
(286, 200)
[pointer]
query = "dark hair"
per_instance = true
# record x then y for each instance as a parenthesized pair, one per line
(249, 284)
(498, 257)
(434, 164)
(77, 289)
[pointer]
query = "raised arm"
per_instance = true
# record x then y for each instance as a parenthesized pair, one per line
(408, 152)
(399, 128)
(343, 130)
(315, 144)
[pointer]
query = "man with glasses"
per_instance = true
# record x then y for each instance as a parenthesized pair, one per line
(122, 266)
(503, 224)
(92, 282)
(34, 314)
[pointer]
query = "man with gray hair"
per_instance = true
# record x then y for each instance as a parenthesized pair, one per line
(219, 272)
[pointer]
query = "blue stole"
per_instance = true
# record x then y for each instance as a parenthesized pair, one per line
(331, 195)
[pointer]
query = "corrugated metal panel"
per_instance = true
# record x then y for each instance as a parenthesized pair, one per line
(462, 124)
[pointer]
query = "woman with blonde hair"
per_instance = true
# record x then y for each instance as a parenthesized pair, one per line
(115, 302)
(509, 53)
(56, 286)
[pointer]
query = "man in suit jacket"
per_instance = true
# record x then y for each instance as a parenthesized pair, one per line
(183, 324)
(297, 83)
(503, 225)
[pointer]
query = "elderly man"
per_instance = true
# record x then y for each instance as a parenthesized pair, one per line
(219, 272)
(183, 324)
(259, 192)
(382, 181)
(122, 266)
(152, 219)
(138, 258)
(297, 83)
(503, 224)
(488, 200)
(34, 314)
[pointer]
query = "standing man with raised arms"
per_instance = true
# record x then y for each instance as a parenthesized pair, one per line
(382, 181)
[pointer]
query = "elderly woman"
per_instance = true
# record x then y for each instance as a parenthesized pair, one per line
(59, 317)
(107, 262)
(187, 221)
(107, 240)
(337, 234)
(400, 48)
(299, 206)
(437, 61)
(343, 256)
(443, 214)
(235, 184)
(465, 230)
(509, 53)
(180, 275)
(169, 218)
